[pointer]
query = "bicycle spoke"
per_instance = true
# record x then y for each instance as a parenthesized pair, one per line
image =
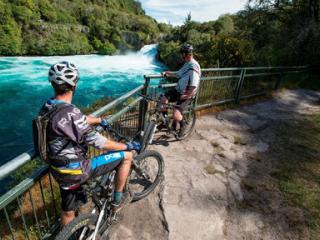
(141, 173)
(145, 173)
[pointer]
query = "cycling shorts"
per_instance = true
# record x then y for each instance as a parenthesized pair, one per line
(72, 199)
(174, 97)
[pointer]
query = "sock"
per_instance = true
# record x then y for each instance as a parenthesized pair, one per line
(182, 124)
(174, 125)
(117, 196)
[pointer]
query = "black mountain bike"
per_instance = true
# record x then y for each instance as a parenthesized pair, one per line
(158, 121)
(145, 174)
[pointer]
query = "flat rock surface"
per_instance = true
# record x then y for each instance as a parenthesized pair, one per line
(203, 194)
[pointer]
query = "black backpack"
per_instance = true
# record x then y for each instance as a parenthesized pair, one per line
(39, 128)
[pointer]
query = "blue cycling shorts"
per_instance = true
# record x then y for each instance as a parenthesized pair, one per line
(106, 162)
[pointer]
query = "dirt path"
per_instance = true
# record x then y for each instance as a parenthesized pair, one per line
(217, 183)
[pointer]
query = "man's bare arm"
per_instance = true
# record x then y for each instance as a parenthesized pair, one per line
(170, 74)
(115, 146)
(93, 120)
(189, 93)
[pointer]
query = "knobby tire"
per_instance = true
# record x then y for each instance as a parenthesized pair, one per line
(142, 158)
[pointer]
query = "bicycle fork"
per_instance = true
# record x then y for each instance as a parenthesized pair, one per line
(140, 171)
(152, 133)
(94, 234)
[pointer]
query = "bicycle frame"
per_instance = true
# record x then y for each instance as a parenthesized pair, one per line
(106, 186)
(106, 182)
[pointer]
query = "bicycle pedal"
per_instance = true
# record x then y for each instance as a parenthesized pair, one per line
(115, 218)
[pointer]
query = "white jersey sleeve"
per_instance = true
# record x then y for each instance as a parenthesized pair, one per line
(194, 78)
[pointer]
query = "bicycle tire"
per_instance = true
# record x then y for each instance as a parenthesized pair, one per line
(191, 127)
(146, 140)
(70, 231)
(152, 184)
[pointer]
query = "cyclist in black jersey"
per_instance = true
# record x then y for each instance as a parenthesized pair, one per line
(70, 132)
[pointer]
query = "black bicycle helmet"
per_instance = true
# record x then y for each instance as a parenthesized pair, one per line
(186, 48)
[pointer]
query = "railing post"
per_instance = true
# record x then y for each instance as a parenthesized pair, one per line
(239, 86)
(278, 81)
(143, 108)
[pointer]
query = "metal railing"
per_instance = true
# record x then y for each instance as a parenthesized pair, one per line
(224, 85)
(30, 210)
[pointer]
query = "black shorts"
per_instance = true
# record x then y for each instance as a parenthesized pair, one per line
(73, 199)
(174, 97)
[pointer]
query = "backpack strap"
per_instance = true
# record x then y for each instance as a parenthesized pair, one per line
(39, 126)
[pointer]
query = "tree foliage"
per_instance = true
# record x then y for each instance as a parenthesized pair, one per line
(49, 27)
(216, 43)
(10, 32)
(267, 32)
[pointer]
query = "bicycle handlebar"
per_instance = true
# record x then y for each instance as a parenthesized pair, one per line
(153, 76)
(158, 101)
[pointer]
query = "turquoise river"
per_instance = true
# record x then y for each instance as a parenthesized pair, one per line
(24, 87)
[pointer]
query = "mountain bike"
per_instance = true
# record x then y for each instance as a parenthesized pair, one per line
(159, 121)
(145, 174)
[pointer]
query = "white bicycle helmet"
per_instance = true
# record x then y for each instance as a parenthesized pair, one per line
(64, 72)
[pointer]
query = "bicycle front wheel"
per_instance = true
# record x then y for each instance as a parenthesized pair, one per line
(80, 228)
(147, 173)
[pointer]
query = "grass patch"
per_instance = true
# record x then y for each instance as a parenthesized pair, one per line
(221, 154)
(297, 168)
(215, 144)
(255, 157)
(306, 80)
(96, 105)
(210, 169)
(24, 171)
(239, 141)
(44, 208)
(248, 184)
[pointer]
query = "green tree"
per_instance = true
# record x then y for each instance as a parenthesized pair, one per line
(188, 19)
(5, 12)
(47, 11)
(169, 53)
(11, 41)
(106, 48)
(28, 26)
(224, 25)
(23, 14)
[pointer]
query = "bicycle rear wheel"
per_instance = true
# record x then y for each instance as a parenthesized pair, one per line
(147, 173)
(190, 118)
